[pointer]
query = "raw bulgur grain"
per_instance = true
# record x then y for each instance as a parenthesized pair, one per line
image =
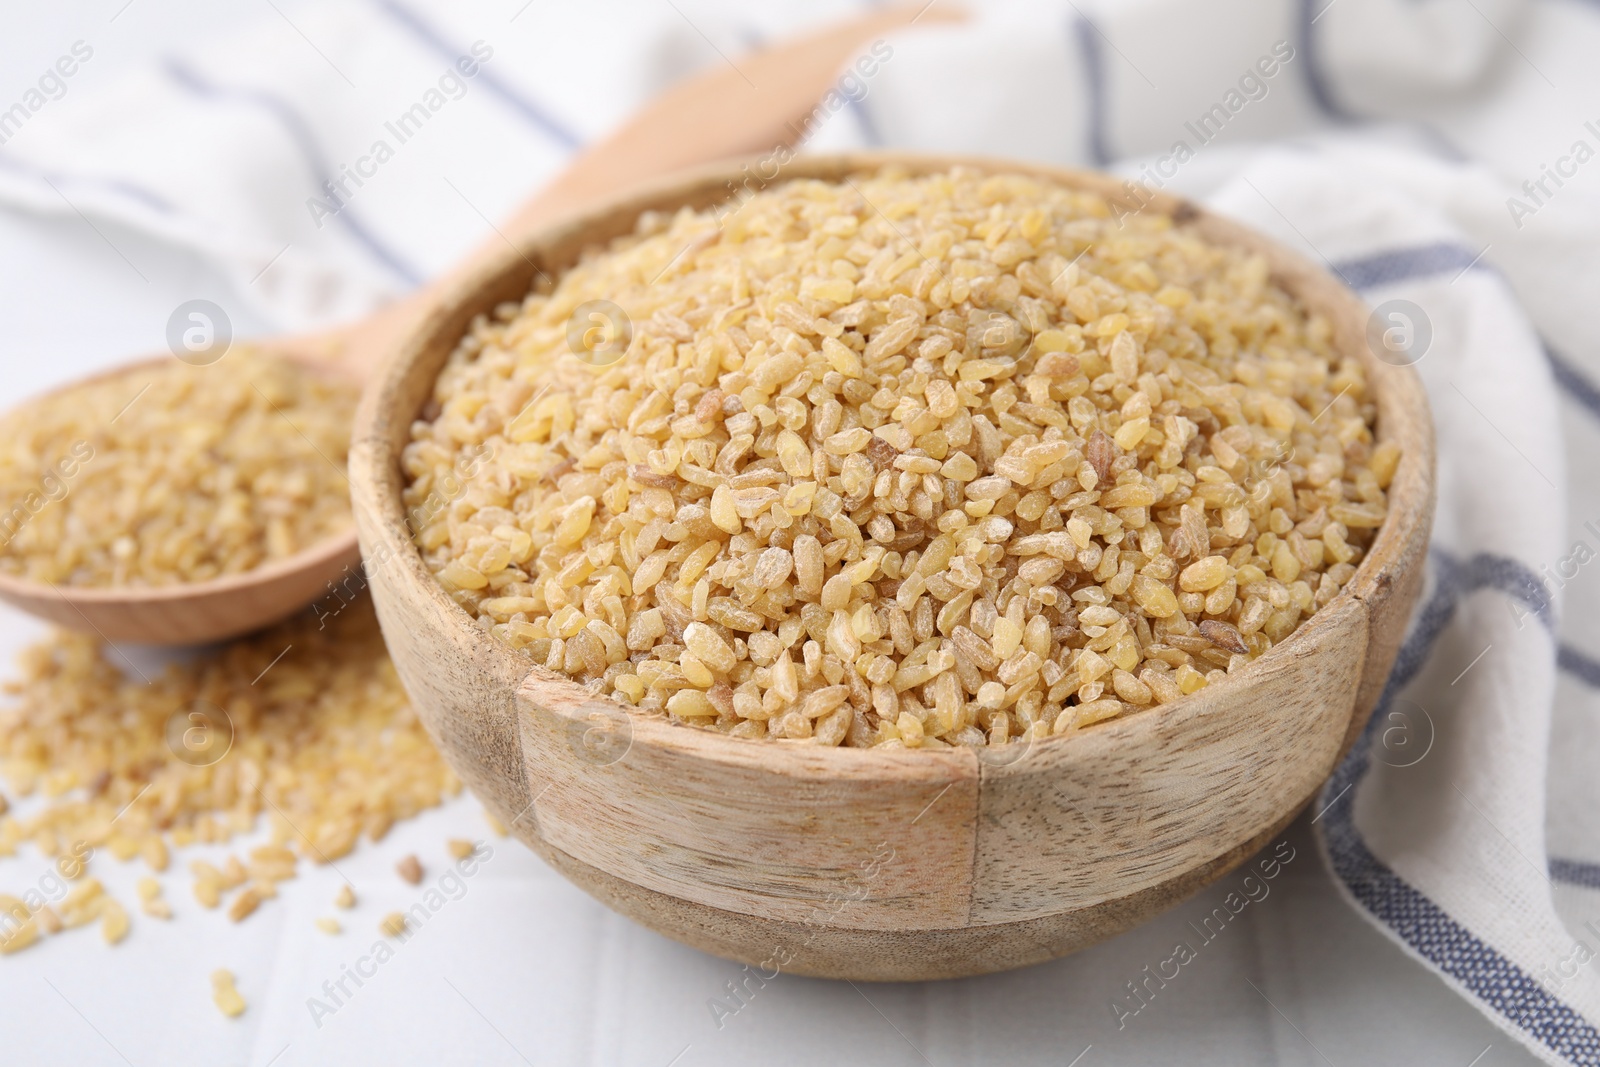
(225, 995)
(245, 904)
(271, 863)
(83, 904)
(174, 473)
(207, 892)
(410, 868)
(902, 461)
(151, 902)
(113, 921)
(20, 929)
(324, 743)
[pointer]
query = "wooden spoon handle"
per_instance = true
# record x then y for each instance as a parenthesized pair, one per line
(761, 102)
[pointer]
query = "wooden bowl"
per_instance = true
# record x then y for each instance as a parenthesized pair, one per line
(886, 865)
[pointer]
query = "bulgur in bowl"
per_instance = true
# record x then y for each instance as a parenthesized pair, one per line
(881, 571)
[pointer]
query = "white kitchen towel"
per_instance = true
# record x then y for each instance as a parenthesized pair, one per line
(1441, 154)
(329, 157)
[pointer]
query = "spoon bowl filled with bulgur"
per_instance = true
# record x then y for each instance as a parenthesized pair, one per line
(171, 503)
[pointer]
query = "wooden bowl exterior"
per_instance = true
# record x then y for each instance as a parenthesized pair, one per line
(886, 865)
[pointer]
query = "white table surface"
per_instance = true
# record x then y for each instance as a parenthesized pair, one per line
(524, 968)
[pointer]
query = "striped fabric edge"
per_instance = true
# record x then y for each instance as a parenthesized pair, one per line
(870, 134)
(1086, 38)
(1580, 665)
(1317, 83)
(1391, 266)
(1404, 264)
(1573, 382)
(298, 131)
(1575, 872)
(144, 198)
(1410, 263)
(535, 114)
(1464, 960)
(1585, 669)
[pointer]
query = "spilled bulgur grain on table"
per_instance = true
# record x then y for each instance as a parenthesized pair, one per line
(174, 473)
(225, 994)
(320, 741)
(903, 461)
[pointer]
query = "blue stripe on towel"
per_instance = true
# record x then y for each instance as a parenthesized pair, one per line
(300, 133)
(1575, 872)
(1444, 257)
(864, 120)
(1087, 38)
(535, 114)
(1316, 77)
(149, 199)
(750, 37)
(1485, 570)
(1571, 379)
(1423, 925)
(1580, 665)
(1404, 264)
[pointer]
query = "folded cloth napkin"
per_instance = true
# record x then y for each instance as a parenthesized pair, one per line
(1438, 157)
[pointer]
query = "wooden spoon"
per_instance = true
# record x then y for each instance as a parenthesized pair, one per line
(763, 104)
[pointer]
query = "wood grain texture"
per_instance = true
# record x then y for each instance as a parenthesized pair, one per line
(195, 612)
(1145, 797)
(788, 832)
(1389, 587)
(889, 865)
(841, 951)
(761, 105)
